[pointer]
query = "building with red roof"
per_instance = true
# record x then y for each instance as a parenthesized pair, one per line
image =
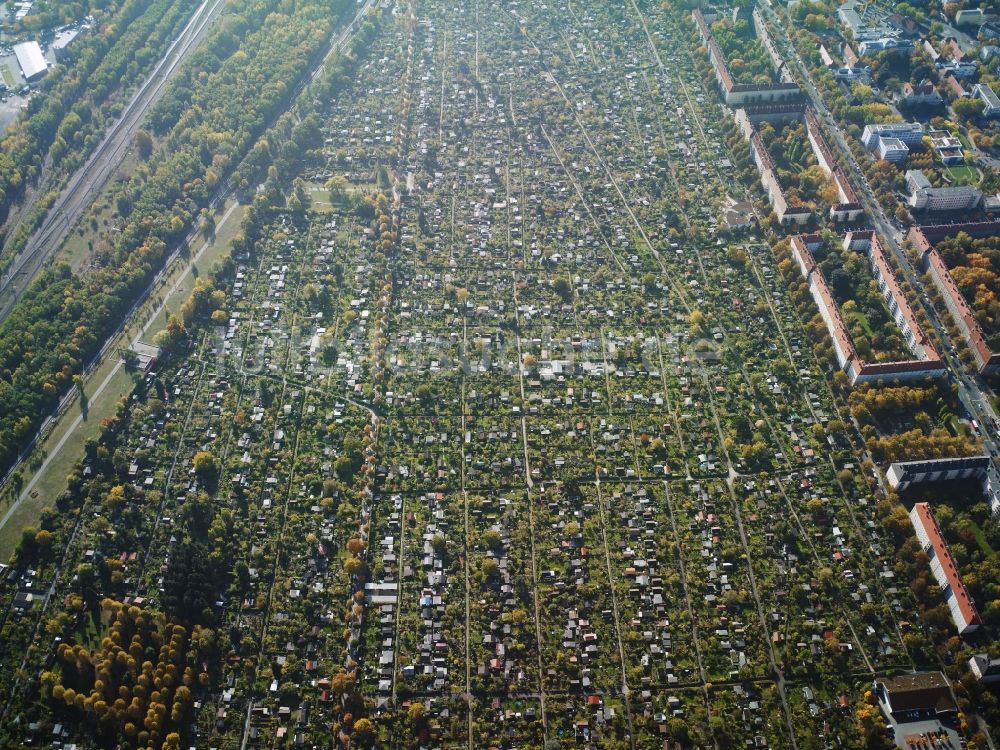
(963, 609)
(926, 361)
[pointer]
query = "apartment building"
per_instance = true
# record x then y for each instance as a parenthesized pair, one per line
(904, 473)
(923, 238)
(926, 361)
(962, 608)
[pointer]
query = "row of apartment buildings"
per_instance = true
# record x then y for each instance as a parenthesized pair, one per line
(848, 208)
(765, 39)
(773, 103)
(786, 214)
(923, 239)
(962, 608)
(926, 361)
(740, 94)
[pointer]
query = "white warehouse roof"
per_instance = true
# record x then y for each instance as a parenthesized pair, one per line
(29, 57)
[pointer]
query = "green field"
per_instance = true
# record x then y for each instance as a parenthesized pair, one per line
(981, 540)
(962, 174)
(861, 319)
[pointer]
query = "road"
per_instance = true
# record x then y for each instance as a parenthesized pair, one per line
(973, 393)
(88, 180)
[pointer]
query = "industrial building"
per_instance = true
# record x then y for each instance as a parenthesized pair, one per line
(30, 59)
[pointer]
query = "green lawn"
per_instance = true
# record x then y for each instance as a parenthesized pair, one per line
(981, 539)
(862, 320)
(77, 246)
(91, 634)
(8, 77)
(319, 196)
(963, 174)
(183, 271)
(52, 480)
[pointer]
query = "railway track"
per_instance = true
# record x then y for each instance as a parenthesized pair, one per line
(90, 178)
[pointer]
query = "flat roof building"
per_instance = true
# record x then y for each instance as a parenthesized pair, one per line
(985, 92)
(66, 39)
(909, 133)
(969, 17)
(849, 16)
(869, 46)
(984, 668)
(29, 57)
(923, 197)
(948, 147)
(927, 693)
(918, 707)
(892, 150)
(904, 473)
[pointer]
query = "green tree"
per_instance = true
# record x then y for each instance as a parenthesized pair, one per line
(967, 107)
(206, 467)
(143, 144)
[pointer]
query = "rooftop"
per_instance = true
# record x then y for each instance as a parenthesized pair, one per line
(911, 692)
(916, 178)
(923, 513)
(986, 92)
(29, 57)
